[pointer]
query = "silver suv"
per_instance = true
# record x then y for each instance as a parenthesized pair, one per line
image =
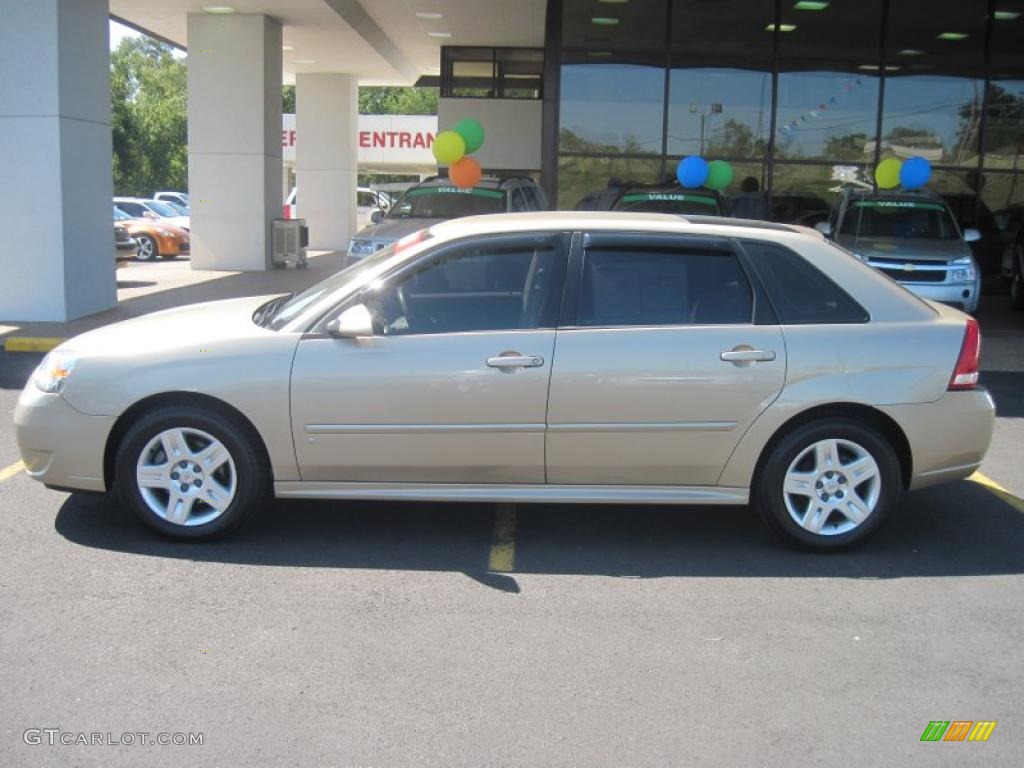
(436, 200)
(913, 238)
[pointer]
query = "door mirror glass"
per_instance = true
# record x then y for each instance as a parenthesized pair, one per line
(377, 216)
(972, 235)
(825, 227)
(355, 322)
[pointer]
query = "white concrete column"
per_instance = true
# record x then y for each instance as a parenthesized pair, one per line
(57, 258)
(326, 123)
(234, 138)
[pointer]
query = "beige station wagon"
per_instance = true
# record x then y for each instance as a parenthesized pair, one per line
(542, 357)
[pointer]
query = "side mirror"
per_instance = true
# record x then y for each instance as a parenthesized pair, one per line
(355, 322)
(972, 235)
(376, 216)
(825, 227)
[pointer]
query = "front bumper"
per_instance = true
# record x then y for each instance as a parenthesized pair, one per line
(60, 446)
(126, 245)
(963, 296)
(948, 438)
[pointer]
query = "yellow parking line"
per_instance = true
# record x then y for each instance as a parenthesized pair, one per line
(31, 343)
(1013, 500)
(503, 547)
(8, 472)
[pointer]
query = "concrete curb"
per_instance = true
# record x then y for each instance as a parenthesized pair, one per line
(31, 343)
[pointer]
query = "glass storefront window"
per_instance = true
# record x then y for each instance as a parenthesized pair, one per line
(637, 25)
(723, 28)
(804, 193)
(827, 115)
(591, 183)
(938, 118)
(724, 112)
(1004, 125)
(611, 106)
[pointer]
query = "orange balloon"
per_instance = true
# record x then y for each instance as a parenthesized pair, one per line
(465, 173)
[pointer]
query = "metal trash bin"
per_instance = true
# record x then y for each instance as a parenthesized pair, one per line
(291, 236)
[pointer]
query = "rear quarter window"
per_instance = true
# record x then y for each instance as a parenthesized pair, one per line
(800, 292)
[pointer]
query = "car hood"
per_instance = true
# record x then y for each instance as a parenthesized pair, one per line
(196, 327)
(927, 249)
(390, 230)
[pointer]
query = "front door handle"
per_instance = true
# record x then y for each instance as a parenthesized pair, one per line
(745, 354)
(515, 361)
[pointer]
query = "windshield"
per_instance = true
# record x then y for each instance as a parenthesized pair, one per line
(120, 215)
(163, 209)
(181, 209)
(667, 202)
(899, 218)
(447, 203)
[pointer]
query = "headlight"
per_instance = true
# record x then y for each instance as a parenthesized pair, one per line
(164, 233)
(963, 270)
(54, 371)
(360, 248)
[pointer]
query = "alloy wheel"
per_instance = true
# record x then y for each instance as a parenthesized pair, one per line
(832, 487)
(186, 476)
(147, 248)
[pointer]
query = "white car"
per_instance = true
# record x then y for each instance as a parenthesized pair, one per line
(142, 208)
(367, 201)
(181, 198)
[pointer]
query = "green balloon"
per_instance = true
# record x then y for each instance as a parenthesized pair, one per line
(471, 132)
(719, 175)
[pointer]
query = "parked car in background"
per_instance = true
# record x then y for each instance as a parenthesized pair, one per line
(367, 201)
(559, 357)
(1013, 270)
(154, 237)
(437, 199)
(181, 198)
(913, 238)
(125, 246)
(141, 208)
(670, 198)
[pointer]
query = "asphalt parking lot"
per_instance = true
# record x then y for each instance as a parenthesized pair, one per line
(379, 634)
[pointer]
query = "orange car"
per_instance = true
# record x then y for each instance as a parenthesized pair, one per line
(155, 237)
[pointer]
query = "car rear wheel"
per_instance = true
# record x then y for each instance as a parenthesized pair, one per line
(191, 473)
(828, 485)
(147, 248)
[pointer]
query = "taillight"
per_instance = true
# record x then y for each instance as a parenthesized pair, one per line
(965, 375)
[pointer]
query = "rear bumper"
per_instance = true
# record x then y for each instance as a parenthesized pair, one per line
(60, 446)
(948, 438)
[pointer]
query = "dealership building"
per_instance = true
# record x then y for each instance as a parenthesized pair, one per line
(585, 95)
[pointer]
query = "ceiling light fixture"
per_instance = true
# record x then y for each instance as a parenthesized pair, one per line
(1005, 15)
(305, 61)
(811, 5)
(782, 27)
(287, 47)
(431, 16)
(440, 34)
(875, 68)
(218, 9)
(604, 21)
(952, 36)
(912, 52)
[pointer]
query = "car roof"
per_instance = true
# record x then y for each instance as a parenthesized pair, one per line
(487, 182)
(897, 194)
(621, 221)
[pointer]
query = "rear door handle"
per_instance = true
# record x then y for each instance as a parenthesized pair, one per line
(515, 361)
(747, 355)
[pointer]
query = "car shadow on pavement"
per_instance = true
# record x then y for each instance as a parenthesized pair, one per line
(959, 530)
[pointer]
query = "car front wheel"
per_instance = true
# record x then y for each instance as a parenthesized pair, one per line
(829, 484)
(147, 248)
(191, 473)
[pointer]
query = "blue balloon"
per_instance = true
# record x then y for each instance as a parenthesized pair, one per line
(915, 173)
(692, 171)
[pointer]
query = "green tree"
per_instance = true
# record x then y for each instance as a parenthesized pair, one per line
(848, 146)
(149, 122)
(392, 100)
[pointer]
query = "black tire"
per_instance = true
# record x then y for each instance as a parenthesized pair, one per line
(253, 485)
(148, 248)
(1017, 283)
(770, 501)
